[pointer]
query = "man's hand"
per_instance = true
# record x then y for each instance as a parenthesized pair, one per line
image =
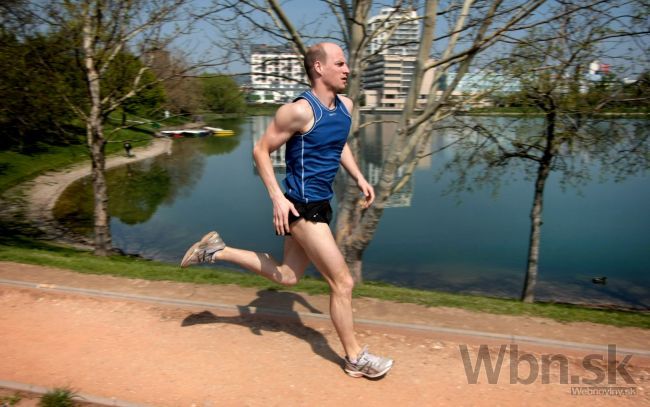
(281, 208)
(349, 163)
(368, 192)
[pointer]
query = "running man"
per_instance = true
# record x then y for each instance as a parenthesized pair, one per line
(314, 128)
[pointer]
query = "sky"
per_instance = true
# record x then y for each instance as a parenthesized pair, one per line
(298, 11)
(201, 42)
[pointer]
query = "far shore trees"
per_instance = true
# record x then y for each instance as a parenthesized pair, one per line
(32, 107)
(101, 33)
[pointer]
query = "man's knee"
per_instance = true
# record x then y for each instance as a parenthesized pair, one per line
(343, 284)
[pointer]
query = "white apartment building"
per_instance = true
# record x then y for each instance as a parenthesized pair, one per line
(277, 75)
(393, 50)
(387, 80)
(397, 32)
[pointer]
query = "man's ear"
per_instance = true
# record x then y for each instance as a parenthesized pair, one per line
(318, 67)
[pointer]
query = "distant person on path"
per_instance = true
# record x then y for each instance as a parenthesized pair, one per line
(314, 128)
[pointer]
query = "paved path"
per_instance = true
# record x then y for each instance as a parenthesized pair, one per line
(173, 344)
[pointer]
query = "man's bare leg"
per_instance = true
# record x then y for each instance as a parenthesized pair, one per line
(309, 241)
(287, 272)
(318, 243)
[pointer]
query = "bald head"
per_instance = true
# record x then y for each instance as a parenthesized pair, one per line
(318, 53)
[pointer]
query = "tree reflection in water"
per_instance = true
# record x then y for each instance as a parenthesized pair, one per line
(136, 190)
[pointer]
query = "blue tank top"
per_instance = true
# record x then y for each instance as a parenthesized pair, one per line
(313, 158)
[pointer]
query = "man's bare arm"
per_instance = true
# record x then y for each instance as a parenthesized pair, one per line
(289, 119)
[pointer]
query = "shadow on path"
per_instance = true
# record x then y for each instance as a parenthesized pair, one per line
(289, 320)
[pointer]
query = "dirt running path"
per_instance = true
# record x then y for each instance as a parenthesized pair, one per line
(176, 355)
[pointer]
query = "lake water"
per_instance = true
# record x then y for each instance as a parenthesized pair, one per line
(473, 243)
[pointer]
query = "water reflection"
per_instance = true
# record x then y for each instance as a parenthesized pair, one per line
(376, 140)
(137, 190)
(259, 125)
(473, 243)
(488, 255)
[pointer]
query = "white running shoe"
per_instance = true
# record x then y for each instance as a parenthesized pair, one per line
(203, 250)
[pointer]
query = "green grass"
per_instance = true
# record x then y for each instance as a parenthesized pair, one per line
(262, 109)
(58, 397)
(33, 252)
(16, 167)
(12, 400)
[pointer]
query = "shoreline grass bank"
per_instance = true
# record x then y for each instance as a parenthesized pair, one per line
(38, 253)
(16, 167)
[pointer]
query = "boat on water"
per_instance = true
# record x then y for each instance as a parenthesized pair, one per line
(219, 132)
(186, 133)
(202, 132)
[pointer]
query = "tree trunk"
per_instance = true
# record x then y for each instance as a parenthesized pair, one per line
(347, 191)
(354, 260)
(102, 240)
(528, 294)
(95, 134)
(356, 226)
(355, 230)
(543, 171)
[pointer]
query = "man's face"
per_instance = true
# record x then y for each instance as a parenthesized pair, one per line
(334, 70)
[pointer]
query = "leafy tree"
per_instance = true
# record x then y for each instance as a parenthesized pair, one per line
(183, 93)
(117, 84)
(221, 94)
(40, 77)
(102, 32)
(36, 75)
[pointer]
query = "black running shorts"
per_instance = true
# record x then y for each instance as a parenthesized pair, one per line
(320, 211)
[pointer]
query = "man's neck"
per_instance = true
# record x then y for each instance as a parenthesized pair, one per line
(326, 96)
